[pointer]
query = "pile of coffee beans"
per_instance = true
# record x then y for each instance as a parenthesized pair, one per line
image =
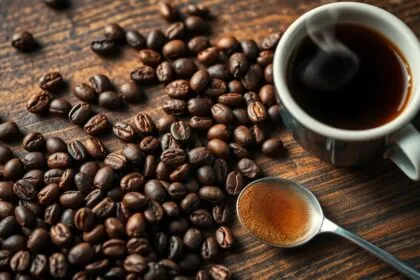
(161, 206)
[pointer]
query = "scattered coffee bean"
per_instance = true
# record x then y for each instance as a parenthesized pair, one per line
(273, 147)
(163, 124)
(198, 10)
(33, 141)
(219, 272)
(228, 44)
(150, 57)
(109, 100)
(114, 32)
(24, 41)
(13, 169)
(175, 107)
(51, 81)
(97, 125)
(103, 47)
(59, 107)
(124, 131)
(155, 40)
(167, 11)
(135, 39)
(80, 113)
(143, 74)
(176, 30)
(208, 56)
(38, 102)
(198, 44)
(8, 131)
(209, 248)
(184, 67)
(195, 24)
(95, 148)
(271, 41)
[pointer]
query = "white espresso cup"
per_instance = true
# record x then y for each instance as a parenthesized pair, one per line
(397, 140)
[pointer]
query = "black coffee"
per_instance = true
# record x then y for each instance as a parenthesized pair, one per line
(377, 93)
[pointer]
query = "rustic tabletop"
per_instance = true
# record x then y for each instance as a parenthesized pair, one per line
(375, 201)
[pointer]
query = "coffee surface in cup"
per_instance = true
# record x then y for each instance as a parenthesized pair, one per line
(377, 93)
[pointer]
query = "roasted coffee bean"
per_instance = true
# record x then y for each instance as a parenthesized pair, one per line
(20, 261)
(231, 100)
(228, 44)
(200, 156)
(270, 42)
(53, 176)
(135, 39)
(219, 272)
(208, 56)
(122, 213)
(84, 219)
(154, 271)
(176, 248)
(201, 124)
(6, 209)
(98, 267)
(220, 169)
(154, 212)
(60, 234)
(139, 245)
(202, 275)
(161, 243)
(5, 154)
(89, 168)
(164, 72)
(212, 194)
(114, 32)
(7, 226)
(176, 30)
(205, 175)
(51, 81)
(235, 182)
(195, 24)
(100, 83)
(235, 86)
(136, 225)
(135, 200)
(198, 10)
(103, 47)
(52, 214)
(209, 248)
(97, 125)
(238, 150)
(38, 102)
(215, 87)
(135, 263)
(84, 92)
(124, 131)
(190, 202)
(48, 194)
(199, 80)
(180, 173)
(95, 148)
(24, 190)
(179, 89)
(109, 100)
(150, 164)
(219, 148)
(104, 178)
(14, 243)
(198, 44)
(274, 113)
(184, 68)
(193, 239)
(24, 41)
(6, 191)
(114, 228)
(8, 131)
(132, 153)
(167, 11)
(273, 147)
(24, 216)
(59, 160)
(219, 131)
(144, 124)
(219, 71)
(174, 49)
(171, 267)
(132, 182)
(13, 169)
(201, 218)
(249, 168)
(243, 136)
(175, 107)
(58, 265)
(34, 160)
(116, 161)
(190, 262)
(80, 113)
(67, 218)
(181, 131)
(222, 114)
(143, 74)
(154, 190)
(39, 265)
(256, 112)
(155, 40)
(77, 150)
(222, 214)
(93, 198)
(252, 78)
(177, 190)
(173, 156)
(224, 237)
(178, 226)
(149, 145)
(131, 92)
(258, 134)
(169, 142)
(59, 108)
(71, 199)
(265, 58)
(37, 240)
(171, 209)
(163, 171)
(150, 57)
(35, 177)
(199, 106)
(250, 48)
(96, 235)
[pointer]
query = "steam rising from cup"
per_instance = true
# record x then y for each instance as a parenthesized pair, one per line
(334, 64)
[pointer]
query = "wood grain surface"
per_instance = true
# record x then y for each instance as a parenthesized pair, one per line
(376, 201)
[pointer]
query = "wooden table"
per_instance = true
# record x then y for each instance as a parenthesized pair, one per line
(376, 201)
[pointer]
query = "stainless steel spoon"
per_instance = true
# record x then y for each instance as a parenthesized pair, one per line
(320, 224)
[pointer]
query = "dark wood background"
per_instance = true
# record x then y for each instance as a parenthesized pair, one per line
(377, 201)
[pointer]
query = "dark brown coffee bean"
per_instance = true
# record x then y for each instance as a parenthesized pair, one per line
(256, 112)
(80, 113)
(228, 44)
(249, 168)
(150, 57)
(193, 239)
(190, 202)
(161, 243)
(154, 190)
(24, 190)
(270, 42)
(198, 10)
(34, 160)
(135, 263)
(114, 32)
(77, 150)
(135, 200)
(38, 102)
(238, 150)
(177, 190)
(114, 228)
(235, 182)
(209, 248)
(219, 272)
(124, 131)
(58, 265)
(174, 49)
(48, 194)
(243, 136)
(24, 216)
(167, 12)
(93, 198)
(131, 92)
(208, 56)
(143, 74)
(274, 113)
(220, 169)
(6, 191)
(132, 153)
(104, 178)
(169, 142)
(231, 100)
(219, 148)
(205, 175)
(235, 86)
(219, 71)
(52, 214)
(24, 41)
(39, 265)
(150, 164)
(215, 88)
(14, 243)
(67, 179)
(59, 108)
(199, 106)
(155, 40)
(53, 176)
(201, 124)
(6, 209)
(179, 89)
(20, 261)
(211, 193)
(100, 83)
(181, 131)
(95, 148)
(51, 81)
(116, 161)
(13, 169)
(163, 171)
(224, 237)
(200, 156)
(250, 48)
(267, 95)
(35, 177)
(173, 156)
(7, 226)
(190, 262)
(67, 218)
(176, 248)
(97, 267)
(109, 100)
(84, 219)
(138, 245)
(8, 131)
(265, 58)
(37, 240)
(97, 125)
(33, 141)
(5, 154)
(135, 39)
(175, 107)
(252, 78)
(149, 145)
(180, 173)
(103, 47)
(96, 235)
(171, 209)
(273, 147)
(154, 212)
(222, 214)
(164, 72)
(184, 67)
(154, 271)
(268, 74)
(199, 80)
(198, 44)
(72, 199)
(195, 24)
(176, 30)
(222, 114)
(201, 218)
(59, 160)
(84, 92)
(144, 124)
(219, 131)
(258, 134)
(171, 267)
(136, 225)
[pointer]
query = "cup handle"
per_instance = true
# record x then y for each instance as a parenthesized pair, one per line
(405, 151)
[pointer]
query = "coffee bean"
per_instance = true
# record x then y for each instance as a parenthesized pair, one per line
(167, 11)
(114, 228)
(190, 262)
(143, 74)
(124, 131)
(215, 88)
(84, 92)
(100, 83)
(205, 175)
(231, 100)
(235, 86)
(6, 191)
(6, 209)
(95, 148)
(39, 265)
(180, 173)
(218, 148)
(177, 191)
(59, 108)
(144, 124)
(52, 214)
(97, 125)
(7, 226)
(209, 248)
(132, 153)
(184, 67)
(171, 267)
(201, 124)
(149, 145)
(198, 10)
(48, 194)
(58, 265)
(155, 40)
(93, 198)
(235, 182)
(131, 92)
(238, 150)
(228, 44)
(219, 131)
(114, 32)
(208, 56)
(38, 102)
(33, 141)
(34, 160)
(163, 171)
(250, 48)
(178, 226)
(72, 199)
(171, 209)
(220, 169)
(154, 271)
(193, 239)
(256, 112)
(116, 161)
(200, 156)
(67, 218)
(135, 225)
(201, 218)
(265, 58)
(154, 212)
(154, 190)
(249, 168)
(135, 200)
(77, 150)
(174, 49)
(176, 248)
(270, 41)
(173, 156)
(161, 243)
(103, 47)
(98, 267)
(224, 237)
(8, 131)
(51, 81)
(80, 113)
(135, 263)
(37, 240)
(181, 131)
(169, 142)
(59, 160)
(195, 24)
(178, 89)
(24, 190)
(252, 78)
(24, 216)
(211, 193)
(175, 31)
(164, 72)
(222, 114)
(267, 95)
(84, 219)
(150, 164)
(198, 44)
(110, 100)
(24, 41)
(273, 147)
(150, 57)
(243, 136)
(103, 178)
(268, 74)
(96, 235)
(222, 214)
(202, 275)
(139, 245)
(175, 107)
(14, 243)
(199, 106)
(5, 154)
(219, 71)
(20, 261)
(219, 272)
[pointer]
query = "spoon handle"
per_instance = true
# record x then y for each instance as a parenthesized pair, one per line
(328, 226)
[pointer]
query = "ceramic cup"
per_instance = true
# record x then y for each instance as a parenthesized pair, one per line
(397, 140)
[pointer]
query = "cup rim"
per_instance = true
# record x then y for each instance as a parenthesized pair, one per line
(280, 81)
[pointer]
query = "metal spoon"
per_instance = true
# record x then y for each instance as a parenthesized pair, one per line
(320, 224)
